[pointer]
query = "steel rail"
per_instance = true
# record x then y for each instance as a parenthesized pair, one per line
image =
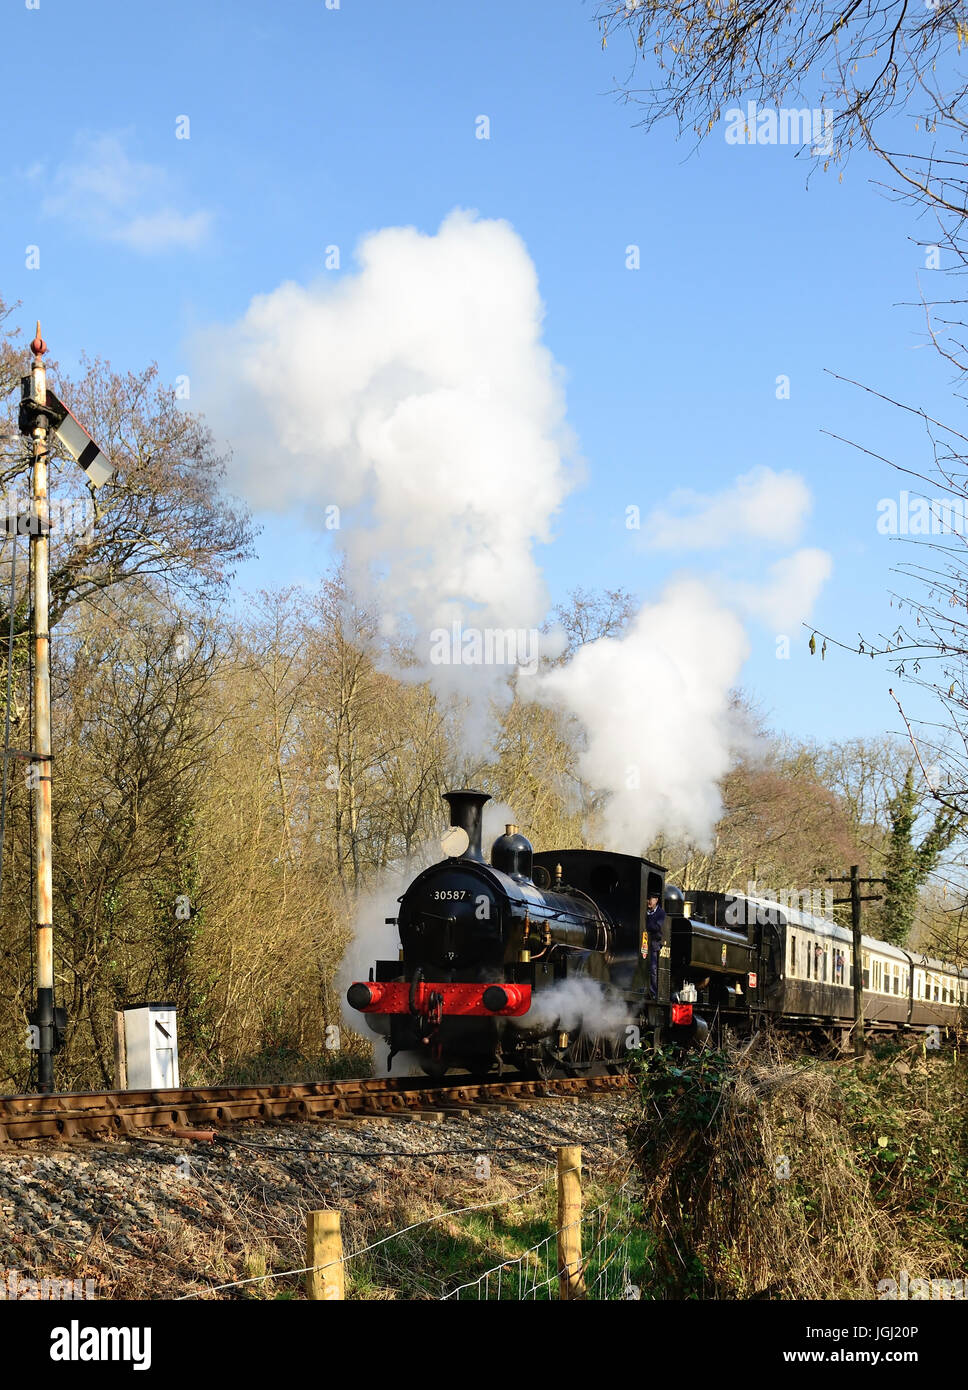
(69, 1115)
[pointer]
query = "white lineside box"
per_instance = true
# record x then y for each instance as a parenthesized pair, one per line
(151, 1046)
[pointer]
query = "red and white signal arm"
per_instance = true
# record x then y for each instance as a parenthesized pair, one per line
(751, 979)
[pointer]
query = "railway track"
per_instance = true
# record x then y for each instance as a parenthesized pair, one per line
(71, 1115)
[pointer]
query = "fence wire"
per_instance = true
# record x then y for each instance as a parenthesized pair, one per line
(606, 1233)
(534, 1274)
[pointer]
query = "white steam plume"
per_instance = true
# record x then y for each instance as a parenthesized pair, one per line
(573, 1002)
(497, 814)
(416, 396)
(656, 708)
(372, 939)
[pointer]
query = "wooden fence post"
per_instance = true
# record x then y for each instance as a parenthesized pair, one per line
(324, 1251)
(120, 1054)
(571, 1278)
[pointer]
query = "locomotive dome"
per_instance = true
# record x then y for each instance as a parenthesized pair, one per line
(674, 900)
(513, 854)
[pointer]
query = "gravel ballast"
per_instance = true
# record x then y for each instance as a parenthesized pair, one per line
(154, 1217)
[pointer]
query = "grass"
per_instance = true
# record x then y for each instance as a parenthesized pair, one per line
(513, 1244)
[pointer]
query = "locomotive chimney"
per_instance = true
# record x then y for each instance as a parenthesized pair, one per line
(466, 810)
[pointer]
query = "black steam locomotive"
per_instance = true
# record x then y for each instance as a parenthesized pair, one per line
(539, 963)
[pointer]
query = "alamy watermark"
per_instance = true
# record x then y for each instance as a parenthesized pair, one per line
(66, 516)
(15, 1288)
(905, 515)
(485, 646)
(789, 125)
(904, 1287)
(741, 911)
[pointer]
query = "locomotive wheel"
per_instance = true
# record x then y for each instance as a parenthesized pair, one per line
(597, 1055)
(543, 1065)
(582, 1056)
(589, 1055)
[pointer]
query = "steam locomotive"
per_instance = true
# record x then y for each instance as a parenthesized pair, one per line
(539, 963)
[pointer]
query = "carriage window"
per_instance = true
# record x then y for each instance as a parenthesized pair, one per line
(823, 966)
(793, 954)
(866, 962)
(877, 977)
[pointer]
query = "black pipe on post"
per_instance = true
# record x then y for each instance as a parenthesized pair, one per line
(467, 811)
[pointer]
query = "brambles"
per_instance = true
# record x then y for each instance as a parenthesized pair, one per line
(766, 1176)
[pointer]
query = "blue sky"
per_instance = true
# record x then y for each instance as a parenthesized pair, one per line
(312, 126)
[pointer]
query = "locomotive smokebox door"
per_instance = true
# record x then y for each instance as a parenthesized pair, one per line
(151, 1045)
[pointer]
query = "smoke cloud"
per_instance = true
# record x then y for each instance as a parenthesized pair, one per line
(575, 1002)
(416, 397)
(655, 704)
(411, 407)
(372, 939)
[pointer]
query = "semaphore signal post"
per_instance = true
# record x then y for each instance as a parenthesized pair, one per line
(41, 414)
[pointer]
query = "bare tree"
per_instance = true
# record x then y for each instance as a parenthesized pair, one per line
(163, 519)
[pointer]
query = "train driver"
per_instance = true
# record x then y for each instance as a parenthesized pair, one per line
(654, 922)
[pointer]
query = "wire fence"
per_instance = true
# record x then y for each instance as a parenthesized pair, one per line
(605, 1273)
(535, 1274)
(366, 1249)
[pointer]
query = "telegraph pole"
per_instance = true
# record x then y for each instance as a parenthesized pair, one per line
(857, 976)
(40, 732)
